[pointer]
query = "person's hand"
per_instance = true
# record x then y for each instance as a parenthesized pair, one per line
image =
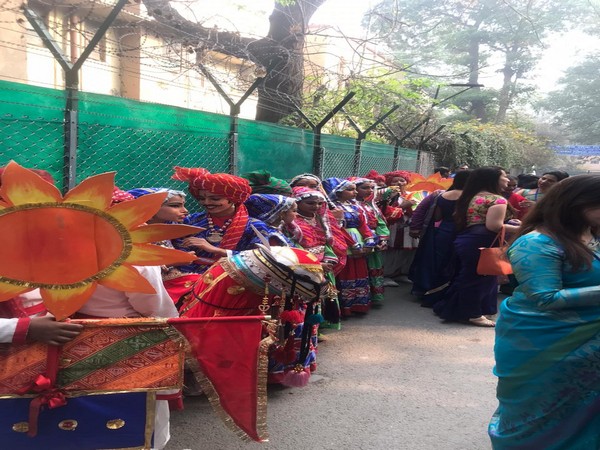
(46, 329)
(199, 243)
(414, 233)
(327, 267)
(526, 204)
(383, 245)
(337, 213)
(407, 204)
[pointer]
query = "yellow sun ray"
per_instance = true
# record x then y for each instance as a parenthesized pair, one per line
(136, 212)
(152, 255)
(128, 279)
(22, 187)
(63, 302)
(160, 231)
(8, 291)
(95, 192)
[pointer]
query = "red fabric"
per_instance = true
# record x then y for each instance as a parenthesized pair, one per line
(235, 231)
(212, 298)
(514, 201)
(398, 173)
(227, 351)
(235, 189)
(119, 196)
(20, 336)
(178, 287)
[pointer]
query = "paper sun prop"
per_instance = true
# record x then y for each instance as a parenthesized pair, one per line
(66, 246)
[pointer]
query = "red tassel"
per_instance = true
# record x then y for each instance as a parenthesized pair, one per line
(297, 377)
(292, 317)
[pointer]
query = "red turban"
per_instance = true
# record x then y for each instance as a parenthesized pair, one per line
(235, 189)
(397, 173)
(119, 196)
(375, 176)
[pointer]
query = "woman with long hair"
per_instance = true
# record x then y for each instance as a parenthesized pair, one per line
(544, 183)
(548, 331)
(433, 265)
(480, 214)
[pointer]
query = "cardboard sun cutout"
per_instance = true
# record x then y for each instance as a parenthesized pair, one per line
(66, 246)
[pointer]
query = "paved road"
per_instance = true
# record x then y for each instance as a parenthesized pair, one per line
(397, 378)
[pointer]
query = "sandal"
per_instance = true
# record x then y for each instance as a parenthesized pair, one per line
(482, 322)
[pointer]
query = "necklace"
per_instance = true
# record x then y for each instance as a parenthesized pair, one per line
(310, 220)
(215, 234)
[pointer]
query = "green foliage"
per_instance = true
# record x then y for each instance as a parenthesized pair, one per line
(575, 105)
(484, 144)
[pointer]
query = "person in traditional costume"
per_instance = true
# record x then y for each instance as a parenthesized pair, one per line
(481, 212)
(547, 333)
(397, 210)
(225, 221)
(316, 230)
(353, 280)
(262, 182)
(173, 210)
(276, 211)
(433, 223)
(365, 200)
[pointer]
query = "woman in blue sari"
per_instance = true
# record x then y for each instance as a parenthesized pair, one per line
(548, 331)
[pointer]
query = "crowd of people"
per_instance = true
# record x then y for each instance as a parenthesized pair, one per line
(368, 233)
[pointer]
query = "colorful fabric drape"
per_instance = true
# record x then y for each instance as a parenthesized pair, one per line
(231, 362)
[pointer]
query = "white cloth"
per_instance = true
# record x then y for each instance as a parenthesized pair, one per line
(7, 330)
(107, 302)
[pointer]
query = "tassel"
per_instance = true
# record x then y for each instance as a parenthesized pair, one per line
(331, 310)
(292, 317)
(286, 354)
(297, 377)
(314, 319)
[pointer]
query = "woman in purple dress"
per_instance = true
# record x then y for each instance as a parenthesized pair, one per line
(481, 212)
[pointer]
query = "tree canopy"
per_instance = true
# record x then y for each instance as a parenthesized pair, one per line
(576, 104)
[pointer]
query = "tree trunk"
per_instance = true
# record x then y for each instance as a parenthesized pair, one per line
(281, 53)
(478, 104)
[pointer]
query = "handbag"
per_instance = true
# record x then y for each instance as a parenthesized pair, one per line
(493, 260)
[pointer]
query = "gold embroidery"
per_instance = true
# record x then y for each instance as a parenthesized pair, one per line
(208, 278)
(68, 425)
(21, 427)
(115, 424)
(235, 290)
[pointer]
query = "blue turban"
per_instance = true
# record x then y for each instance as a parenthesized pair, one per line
(267, 207)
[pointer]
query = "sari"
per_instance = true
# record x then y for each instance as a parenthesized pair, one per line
(547, 341)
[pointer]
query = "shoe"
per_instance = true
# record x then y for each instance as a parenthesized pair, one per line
(482, 322)
(390, 283)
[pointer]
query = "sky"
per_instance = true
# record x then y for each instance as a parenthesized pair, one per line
(564, 50)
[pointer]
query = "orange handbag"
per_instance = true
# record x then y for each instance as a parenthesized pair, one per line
(493, 260)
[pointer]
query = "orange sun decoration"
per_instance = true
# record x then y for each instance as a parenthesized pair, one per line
(66, 246)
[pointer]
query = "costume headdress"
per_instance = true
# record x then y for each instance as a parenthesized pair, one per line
(119, 196)
(389, 176)
(138, 192)
(335, 185)
(375, 176)
(302, 176)
(262, 182)
(235, 189)
(267, 207)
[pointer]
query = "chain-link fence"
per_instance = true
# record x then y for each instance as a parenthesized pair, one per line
(142, 142)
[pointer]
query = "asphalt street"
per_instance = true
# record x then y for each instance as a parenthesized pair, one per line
(396, 378)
